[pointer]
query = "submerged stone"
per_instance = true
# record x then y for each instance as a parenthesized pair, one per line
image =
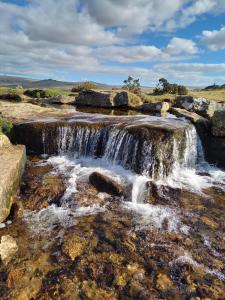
(106, 184)
(159, 107)
(8, 248)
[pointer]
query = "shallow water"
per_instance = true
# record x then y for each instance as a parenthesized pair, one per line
(162, 239)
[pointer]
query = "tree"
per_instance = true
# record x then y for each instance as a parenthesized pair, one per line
(132, 85)
(164, 87)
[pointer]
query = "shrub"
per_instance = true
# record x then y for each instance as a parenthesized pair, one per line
(134, 99)
(6, 126)
(84, 86)
(37, 93)
(7, 90)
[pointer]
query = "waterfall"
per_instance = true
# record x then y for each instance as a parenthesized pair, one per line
(150, 154)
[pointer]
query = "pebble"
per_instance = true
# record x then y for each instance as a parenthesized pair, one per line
(2, 225)
(9, 222)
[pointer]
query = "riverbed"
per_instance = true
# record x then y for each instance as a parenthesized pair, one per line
(163, 238)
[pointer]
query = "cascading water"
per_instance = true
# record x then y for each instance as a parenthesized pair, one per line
(168, 157)
(151, 155)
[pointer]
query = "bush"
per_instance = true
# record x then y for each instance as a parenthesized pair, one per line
(37, 93)
(134, 100)
(6, 126)
(12, 91)
(84, 86)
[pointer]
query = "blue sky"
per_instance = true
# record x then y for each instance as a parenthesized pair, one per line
(107, 40)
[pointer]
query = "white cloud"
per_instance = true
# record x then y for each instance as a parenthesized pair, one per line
(53, 36)
(214, 40)
(178, 46)
(136, 16)
(131, 54)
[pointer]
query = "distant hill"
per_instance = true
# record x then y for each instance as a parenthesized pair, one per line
(12, 81)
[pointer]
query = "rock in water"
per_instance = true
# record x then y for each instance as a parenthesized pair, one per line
(105, 184)
(8, 248)
(159, 107)
(218, 123)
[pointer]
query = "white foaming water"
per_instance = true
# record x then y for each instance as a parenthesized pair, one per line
(193, 172)
(187, 259)
(145, 215)
(157, 216)
(47, 219)
(185, 171)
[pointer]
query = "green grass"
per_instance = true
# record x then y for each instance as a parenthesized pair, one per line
(150, 98)
(134, 99)
(6, 126)
(7, 90)
(216, 95)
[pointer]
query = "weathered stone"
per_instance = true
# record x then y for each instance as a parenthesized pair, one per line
(94, 98)
(13, 160)
(74, 246)
(126, 98)
(105, 184)
(209, 222)
(218, 123)
(107, 99)
(53, 100)
(11, 97)
(191, 116)
(215, 150)
(164, 282)
(24, 112)
(8, 248)
(201, 106)
(159, 107)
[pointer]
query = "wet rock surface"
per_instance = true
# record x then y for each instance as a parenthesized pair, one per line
(160, 107)
(106, 184)
(106, 251)
(218, 123)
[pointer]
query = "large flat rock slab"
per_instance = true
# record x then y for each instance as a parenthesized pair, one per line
(12, 162)
(23, 112)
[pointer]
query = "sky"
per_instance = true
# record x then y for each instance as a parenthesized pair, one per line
(107, 40)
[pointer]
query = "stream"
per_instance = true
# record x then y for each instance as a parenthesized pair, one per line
(162, 238)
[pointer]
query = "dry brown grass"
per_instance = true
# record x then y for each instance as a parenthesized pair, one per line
(216, 95)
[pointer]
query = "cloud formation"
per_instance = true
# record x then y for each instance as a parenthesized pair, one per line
(214, 40)
(46, 37)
